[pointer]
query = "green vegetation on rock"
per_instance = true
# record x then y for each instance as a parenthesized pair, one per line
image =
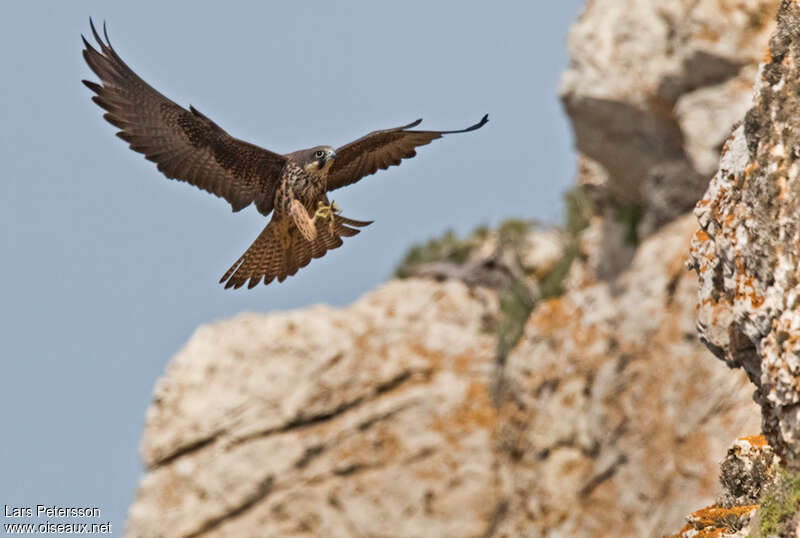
(449, 248)
(552, 284)
(629, 216)
(516, 305)
(579, 209)
(780, 504)
(516, 301)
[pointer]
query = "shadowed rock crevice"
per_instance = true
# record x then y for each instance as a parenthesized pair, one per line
(699, 69)
(603, 476)
(184, 450)
(302, 422)
(627, 141)
(247, 503)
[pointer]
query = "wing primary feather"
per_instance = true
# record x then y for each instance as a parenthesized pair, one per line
(95, 87)
(410, 125)
(484, 121)
(105, 33)
(96, 35)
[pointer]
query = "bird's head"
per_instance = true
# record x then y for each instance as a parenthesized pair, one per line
(318, 159)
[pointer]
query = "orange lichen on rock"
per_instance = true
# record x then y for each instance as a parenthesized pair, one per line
(757, 441)
(476, 412)
(747, 288)
(715, 521)
(704, 533)
(716, 516)
(756, 300)
(550, 315)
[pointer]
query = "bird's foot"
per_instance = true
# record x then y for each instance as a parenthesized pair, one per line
(326, 211)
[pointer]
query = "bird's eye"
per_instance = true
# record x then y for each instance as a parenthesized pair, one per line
(319, 153)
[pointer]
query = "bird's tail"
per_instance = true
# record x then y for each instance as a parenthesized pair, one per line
(280, 250)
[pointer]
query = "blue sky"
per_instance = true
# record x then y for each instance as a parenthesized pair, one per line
(109, 267)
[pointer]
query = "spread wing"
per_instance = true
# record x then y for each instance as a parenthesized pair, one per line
(381, 149)
(184, 144)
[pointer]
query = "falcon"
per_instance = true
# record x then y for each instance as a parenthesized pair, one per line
(188, 146)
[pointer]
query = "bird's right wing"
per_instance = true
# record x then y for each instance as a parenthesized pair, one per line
(381, 149)
(184, 144)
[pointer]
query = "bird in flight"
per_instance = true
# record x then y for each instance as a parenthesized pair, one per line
(188, 146)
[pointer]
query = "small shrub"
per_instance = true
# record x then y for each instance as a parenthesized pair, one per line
(779, 503)
(579, 209)
(629, 216)
(449, 247)
(516, 305)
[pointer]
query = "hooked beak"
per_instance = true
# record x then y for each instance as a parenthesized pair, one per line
(330, 155)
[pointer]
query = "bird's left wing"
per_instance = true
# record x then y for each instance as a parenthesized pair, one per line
(381, 149)
(184, 144)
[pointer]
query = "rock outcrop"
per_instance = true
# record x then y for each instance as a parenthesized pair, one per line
(747, 471)
(652, 82)
(746, 255)
(746, 251)
(613, 415)
(652, 90)
(375, 420)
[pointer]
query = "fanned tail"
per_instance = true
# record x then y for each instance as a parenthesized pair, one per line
(280, 250)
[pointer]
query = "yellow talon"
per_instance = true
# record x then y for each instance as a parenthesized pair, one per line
(326, 211)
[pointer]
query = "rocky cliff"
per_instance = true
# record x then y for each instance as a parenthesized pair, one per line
(747, 258)
(409, 414)
(746, 249)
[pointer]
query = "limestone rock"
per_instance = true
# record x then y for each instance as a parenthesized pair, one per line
(645, 78)
(748, 469)
(746, 256)
(746, 252)
(375, 420)
(652, 91)
(613, 417)
(720, 522)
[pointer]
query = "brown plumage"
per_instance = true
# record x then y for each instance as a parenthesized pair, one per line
(188, 146)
